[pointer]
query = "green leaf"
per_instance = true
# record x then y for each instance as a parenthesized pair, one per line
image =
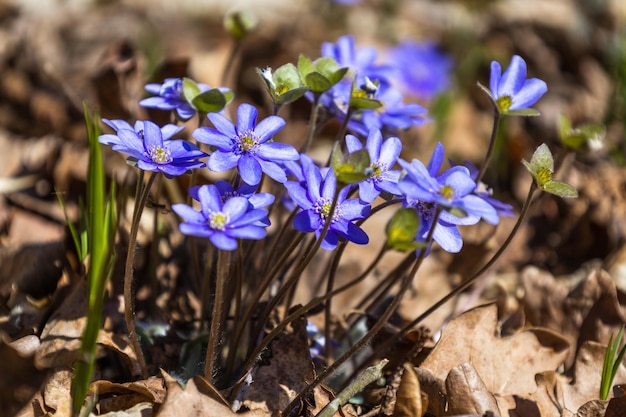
(338, 75)
(190, 89)
(288, 76)
(364, 103)
(291, 95)
(542, 158)
(522, 112)
(560, 189)
(210, 101)
(317, 82)
(305, 66)
(351, 168)
(401, 230)
(327, 66)
(240, 23)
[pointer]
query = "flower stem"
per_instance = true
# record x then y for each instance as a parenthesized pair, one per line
(312, 123)
(215, 335)
(469, 281)
(140, 203)
(492, 145)
(373, 331)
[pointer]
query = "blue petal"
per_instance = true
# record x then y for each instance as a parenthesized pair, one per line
(414, 191)
(329, 186)
(185, 111)
(353, 209)
(494, 81)
(235, 208)
(274, 151)
(374, 143)
(312, 176)
(273, 170)
(330, 240)
(196, 230)
(353, 143)
(153, 88)
(356, 234)
(220, 161)
(261, 200)
(222, 124)
(302, 222)
(479, 207)
(248, 218)
(249, 169)
(513, 78)
(223, 242)
(298, 194)
(157, 103)
(246, 117)
(532, 91)
(436, 160)
(188, 214)
(130, 140)
(182, 150)
(210, 200)
(152, 135)
(118, 124)
(367, 191)
(459, 180)
(448, 237)
(268, 127)
(213, 137)
(248, 232)
(390, 151)
(170, 130)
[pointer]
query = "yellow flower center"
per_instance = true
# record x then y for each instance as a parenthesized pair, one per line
(247, 142)
(447, 192)
(323, 209)
(217, 221)
(504, 103)
(160, 154)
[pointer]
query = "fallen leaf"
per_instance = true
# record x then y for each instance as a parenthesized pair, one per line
(409, 395)
(192, 402)
(467, 393)
(116, 397)
(507, 365)
(57, 393)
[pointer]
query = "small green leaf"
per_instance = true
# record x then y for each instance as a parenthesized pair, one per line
(190, 89)
(210, 101)
(351, 168)
(401, 230)
(521, 112)
(542, 158)
(560, 189)
(338, 75)
(305, 66)
(240, 24)
(364, 103)
(317, 82)
(291, 95)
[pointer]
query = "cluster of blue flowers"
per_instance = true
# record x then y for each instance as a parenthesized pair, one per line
(451, 197)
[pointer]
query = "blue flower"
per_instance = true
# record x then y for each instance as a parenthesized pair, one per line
(256, 200)
(383, 155)
(424, 71)
(151, 148)
(247, 145)
(315, 198)
(486, 193)
(169, 96)
(511, 90)
(393, 115)
(222, 222)
(426, 190)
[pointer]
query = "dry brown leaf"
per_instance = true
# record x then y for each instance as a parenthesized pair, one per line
(507, 365)
(290, 368)
(435, 389)
(115, 397)
(467, 393)
(616, 408)
(57, 393)
(594, 408)
(20, 380)
(193, 402)
(409, 395)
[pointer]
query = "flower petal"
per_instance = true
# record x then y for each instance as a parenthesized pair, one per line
(274, 151)
(246, 117)
(220, 161)
(213, 137)
(513, 78)
(532, 91)
(273, 170)
(494, 80)
(223, 242)
(189, 214)
(268, 127)
(249, 169)
(222, 124)
(448, 237)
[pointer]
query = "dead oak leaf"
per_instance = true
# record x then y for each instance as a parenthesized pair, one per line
(507, 365)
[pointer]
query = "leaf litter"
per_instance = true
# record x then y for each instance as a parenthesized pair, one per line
(541, 356)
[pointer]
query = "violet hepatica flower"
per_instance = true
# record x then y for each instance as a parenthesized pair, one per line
(256, 200)
(426, 190)
(424, 70)
(383, 155)
(169, 96)
(511, 90)
(222, 222)
(151, 148)
(315, 199)
(247, 145)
